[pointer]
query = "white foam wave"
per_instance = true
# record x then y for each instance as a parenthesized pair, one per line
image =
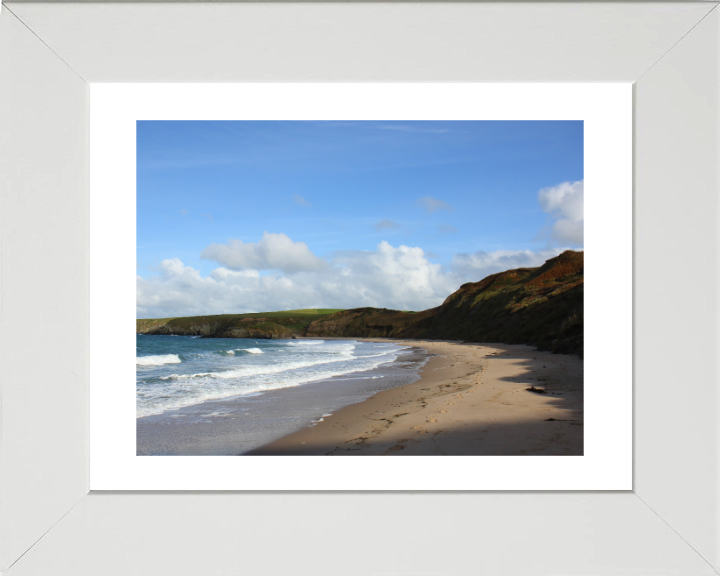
(158, 360)
(263, 369)
(250, 350)
(306, 342)
(183, 376)
(197, 390)
(179, 390)
(276, 368)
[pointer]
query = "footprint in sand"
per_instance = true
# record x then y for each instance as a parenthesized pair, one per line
(432, 420)
(422, 432)
(415, 427)
(443, 411)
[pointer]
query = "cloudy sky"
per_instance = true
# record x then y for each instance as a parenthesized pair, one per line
(260, 216)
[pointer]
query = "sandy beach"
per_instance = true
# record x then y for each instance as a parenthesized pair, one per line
(471, 399)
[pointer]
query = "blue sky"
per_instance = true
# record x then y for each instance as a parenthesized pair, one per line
(207, 192)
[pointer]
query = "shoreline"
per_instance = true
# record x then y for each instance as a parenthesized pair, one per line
(237, 424)
(471, 399)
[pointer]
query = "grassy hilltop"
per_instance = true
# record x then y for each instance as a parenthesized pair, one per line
(539, 306)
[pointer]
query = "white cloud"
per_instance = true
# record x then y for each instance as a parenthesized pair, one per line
(433, 204)
(388, 277)
(272, 252)
(565, 202)
(480, 264)
(180, 290)
(300, 200)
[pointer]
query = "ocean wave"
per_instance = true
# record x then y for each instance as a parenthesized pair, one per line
(256, 376)
(305, 342)
(232, 352)
(158, 360)
(278, 368)
(283, 367)
(186, 376)
(186, 390)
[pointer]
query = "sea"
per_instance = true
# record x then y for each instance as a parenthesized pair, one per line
(226, 396)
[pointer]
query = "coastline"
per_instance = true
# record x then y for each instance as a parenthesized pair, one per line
(471, 399)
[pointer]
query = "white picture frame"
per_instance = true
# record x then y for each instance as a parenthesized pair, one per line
(49, 523)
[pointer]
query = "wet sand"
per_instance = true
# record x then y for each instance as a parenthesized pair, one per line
(471, 399)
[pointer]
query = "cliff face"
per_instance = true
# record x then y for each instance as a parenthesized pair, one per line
(538, 306)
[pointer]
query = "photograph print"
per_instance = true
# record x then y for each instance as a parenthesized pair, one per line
(352, 288)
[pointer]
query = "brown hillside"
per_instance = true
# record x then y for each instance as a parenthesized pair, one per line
(538, 306)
